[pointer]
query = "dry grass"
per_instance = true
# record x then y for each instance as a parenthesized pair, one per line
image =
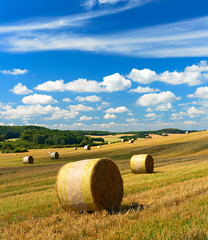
(171, 203)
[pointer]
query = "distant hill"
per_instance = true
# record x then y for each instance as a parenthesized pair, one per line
(38, 137)
(41, 137)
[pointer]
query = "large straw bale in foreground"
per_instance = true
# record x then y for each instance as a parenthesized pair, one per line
(142, 163)
(90, 185)
(54, 155)
(28, 160)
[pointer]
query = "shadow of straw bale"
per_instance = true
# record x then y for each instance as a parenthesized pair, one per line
(133, 207)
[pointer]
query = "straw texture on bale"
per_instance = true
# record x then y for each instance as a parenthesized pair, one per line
(142, 163)
(54, 155)
(90, 185)
(87, 147)
(28, 160)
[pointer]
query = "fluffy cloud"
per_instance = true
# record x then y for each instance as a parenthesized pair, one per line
(85, 118)
(14, 71)
(192, 75)
(92, 98)
(20, 89)
(192, 111)
(115, 82)
(189, 122)
(117, 110)
(80, 85)
(154, 99)
(144, 76)
(38, 99)
(80, 108)
(164, 107)
(68, 100)
(112, 83)
(28, 111)
(150, 115)
(201, 92)
(80, 125)
(144, 90)
(109, 116)
(62, 114)
(109, 125)
(131, 120)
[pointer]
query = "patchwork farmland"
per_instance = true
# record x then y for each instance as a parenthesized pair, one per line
(170, 203)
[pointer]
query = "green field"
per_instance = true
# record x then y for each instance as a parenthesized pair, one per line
(171, 203)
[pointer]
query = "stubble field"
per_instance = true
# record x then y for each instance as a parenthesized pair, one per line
(171, 203)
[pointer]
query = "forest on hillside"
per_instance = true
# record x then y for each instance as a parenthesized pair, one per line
(21, 138)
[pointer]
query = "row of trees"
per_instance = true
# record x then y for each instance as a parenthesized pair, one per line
(39, 137)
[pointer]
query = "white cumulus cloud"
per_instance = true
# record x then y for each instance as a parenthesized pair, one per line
(144, 90)
(201, 92)
(80, 108)
(131, 120)
(164, 107)
(121, 109)
(115, 82)
(28, 111)
(85, 118)
(68, 100)
(151, 115)
(80, 85)
(192, 75)
(109, 116)
(20, 89)
(38, 99)
(14, 71)
(154, 99)
(192, 111)
(92, 98)
(62, 114)
(144, 76)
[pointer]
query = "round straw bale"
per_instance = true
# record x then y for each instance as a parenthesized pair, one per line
(142, 163)
(28, 160)
(131, 141)
(87, 147)
(98, 146)
(90, 185)
(75, 148)
(122, 140)
(54, 155)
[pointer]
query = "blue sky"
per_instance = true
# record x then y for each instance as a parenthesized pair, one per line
(115, 65)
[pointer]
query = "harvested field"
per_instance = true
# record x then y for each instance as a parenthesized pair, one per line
(171, 203)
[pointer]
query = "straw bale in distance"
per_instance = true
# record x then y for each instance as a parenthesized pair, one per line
(75, 148)
(90, 185)
(28, 160)
(54, 155)
(142, 163)
(87, 147)
(98, 146)
(131, 141)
